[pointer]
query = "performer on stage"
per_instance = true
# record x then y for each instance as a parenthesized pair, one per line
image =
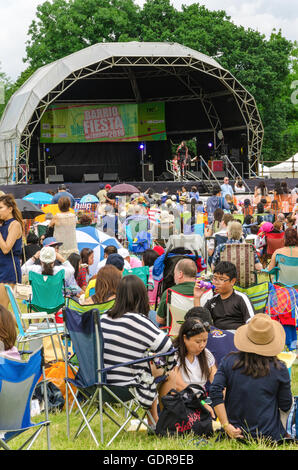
(182, 156)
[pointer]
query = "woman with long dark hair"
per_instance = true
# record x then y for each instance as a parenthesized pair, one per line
(252, 387)
(86, 259)
(128, 335)
(196, 364)
(11, 231)
(107, 281)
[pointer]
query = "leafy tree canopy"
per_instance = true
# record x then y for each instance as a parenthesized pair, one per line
(266, 67)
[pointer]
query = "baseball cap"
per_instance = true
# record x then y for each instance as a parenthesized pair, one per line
(123, 252)
(116, 260)
(108, 186)
(62, 186)
(51, 241)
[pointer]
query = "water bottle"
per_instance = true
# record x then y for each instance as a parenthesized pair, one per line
(205, 284)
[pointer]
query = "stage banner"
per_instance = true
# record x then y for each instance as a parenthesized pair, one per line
(125, 122)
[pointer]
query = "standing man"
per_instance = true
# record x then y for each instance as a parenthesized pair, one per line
(62, 192)
(226, 188)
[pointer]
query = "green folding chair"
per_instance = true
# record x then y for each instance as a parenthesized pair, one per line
(48, 292)
(141, 272)
(258, 295)
(77, 307)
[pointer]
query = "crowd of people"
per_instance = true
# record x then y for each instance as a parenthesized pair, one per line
(222, 344)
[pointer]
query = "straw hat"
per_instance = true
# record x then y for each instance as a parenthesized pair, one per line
(261, 335)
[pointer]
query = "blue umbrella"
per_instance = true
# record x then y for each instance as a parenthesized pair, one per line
(39, 198)
(91, 237)
(89, 198)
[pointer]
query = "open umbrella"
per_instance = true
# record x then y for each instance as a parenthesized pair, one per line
(39, 198)
(91, 237)
(53, 209)
(89, 198)
(28, 210)
(123, 188)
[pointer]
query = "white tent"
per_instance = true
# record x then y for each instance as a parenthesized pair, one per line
(286, 169)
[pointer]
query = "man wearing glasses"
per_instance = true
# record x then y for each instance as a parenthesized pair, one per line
(226, 188)
(229, 308)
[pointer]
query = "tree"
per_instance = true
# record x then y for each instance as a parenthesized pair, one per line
(66, 26)
(5, 86)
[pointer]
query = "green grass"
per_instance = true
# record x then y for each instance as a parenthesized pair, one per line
(141, 440)
(138, 440)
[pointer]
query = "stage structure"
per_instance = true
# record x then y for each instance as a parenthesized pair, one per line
(202, 101)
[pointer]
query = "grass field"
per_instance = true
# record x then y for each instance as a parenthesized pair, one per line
(130, 441)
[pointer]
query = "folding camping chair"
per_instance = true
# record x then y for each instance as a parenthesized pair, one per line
(274, 241)
(18, 379)
(285, 271)
(48, 292)
(35, 332)
(177, 306)
(86, 335)
(258, 295)
(141, 272)
(242, 256)
(77, 307)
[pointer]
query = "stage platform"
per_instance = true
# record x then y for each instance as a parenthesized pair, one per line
(80, 189)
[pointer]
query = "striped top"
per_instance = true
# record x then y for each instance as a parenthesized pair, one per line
(129, 338)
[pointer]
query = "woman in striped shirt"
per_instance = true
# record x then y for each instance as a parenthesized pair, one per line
(128, 335)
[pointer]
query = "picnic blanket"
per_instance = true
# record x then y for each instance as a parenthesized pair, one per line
(282, 304)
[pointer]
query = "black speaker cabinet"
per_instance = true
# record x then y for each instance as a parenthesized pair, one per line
(56, 179)
(110, 177)
(90, 177)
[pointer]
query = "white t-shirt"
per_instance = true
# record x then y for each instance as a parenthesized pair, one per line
(194, 375)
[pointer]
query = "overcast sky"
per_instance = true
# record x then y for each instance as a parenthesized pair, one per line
(261, 15)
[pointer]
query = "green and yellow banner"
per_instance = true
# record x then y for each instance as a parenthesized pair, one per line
(124, 122)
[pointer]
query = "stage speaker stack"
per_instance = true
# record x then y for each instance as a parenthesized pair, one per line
(110, 177)
(90, 178)
(148, 172)
(56, 179)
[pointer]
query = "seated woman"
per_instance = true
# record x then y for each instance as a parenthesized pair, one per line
(252, 387)
(107, 281)
(196, 364)
(86, 259)
(47, 256)
(128, 335)
(290, 249)
(8, 335)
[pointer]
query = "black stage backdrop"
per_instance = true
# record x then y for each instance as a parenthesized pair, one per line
(74, 160)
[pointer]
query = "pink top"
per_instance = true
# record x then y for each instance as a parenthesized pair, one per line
(135, 262)
(12, 353)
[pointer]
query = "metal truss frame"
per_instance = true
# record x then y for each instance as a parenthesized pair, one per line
(160, 65)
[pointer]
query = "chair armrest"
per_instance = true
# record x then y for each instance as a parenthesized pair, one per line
(37, 315)
(272, 271)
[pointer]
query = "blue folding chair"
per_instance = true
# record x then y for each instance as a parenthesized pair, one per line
(34, 331)
(85, 333)
(18, 379)
(285, 271)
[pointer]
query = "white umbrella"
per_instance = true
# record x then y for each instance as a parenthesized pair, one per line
(96, 240)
